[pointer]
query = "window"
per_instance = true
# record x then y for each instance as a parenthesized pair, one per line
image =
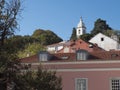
(81, 84)
(115, 84)
(114, 55)
(79, 32)
(66, 50)
(81, 54)
(44, 56)
(102, 39)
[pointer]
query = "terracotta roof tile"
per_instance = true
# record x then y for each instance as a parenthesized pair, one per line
(100, 55)
(30, 59)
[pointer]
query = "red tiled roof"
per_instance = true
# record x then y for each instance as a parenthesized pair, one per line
(30, 59)
(80, 44)
(101, 55)
(113, 55)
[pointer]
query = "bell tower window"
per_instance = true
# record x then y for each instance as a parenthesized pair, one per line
(79, 32)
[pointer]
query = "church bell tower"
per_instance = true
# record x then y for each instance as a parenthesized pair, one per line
(81, 29)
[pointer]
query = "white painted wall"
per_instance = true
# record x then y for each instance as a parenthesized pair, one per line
(54, 48)
(107, 43)
(51, 48)
(81, 29)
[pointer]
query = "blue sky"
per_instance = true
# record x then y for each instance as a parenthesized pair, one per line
(61, 16)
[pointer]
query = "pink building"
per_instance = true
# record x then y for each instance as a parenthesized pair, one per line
(72, 46)
(82, 70)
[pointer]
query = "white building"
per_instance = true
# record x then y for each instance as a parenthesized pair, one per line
(81, 29)
(55, 47)
(105, 42)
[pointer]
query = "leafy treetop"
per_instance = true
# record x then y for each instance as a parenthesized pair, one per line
(100, 26)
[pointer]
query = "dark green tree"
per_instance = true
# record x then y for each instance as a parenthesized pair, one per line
(38, 32)
(20, 42)
(9, 10)
(117, 32)
(73, 35)
(100, 26)
(30, 50)
(41, 80)
(109, 33)
(86, 37)
(46, 37)
(9, 65)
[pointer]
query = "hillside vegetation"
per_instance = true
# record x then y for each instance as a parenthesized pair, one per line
(30, 45)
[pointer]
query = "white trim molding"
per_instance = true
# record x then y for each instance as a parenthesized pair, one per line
(85, 70)
(76, 62)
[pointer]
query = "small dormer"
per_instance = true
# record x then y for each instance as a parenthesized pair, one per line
(44, 56)
(81, 54)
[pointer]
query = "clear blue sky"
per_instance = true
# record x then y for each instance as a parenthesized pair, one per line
(61, 16)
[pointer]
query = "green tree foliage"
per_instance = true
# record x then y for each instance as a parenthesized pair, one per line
(46, 37)
(86, 37)
(9, 10)
(100, 26)
(109, 33)
(117, 32)
(73, 35)
(10, 72)
(42, 80)
(9, 65)
(24, 45)
(38, 32)
(20, 42)
(30, 49)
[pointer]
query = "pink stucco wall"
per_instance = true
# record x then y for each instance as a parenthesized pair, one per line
(98, 73)
(97, 80)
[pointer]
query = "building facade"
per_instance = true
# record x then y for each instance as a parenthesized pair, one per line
(105, 42)
(82, 70)
(88, 75)
(72, 46)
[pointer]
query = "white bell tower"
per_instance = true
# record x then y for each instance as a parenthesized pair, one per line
(81, 29)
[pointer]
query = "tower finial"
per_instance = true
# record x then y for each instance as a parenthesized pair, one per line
(81, 18)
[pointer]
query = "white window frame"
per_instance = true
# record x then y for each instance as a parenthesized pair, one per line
(115, 78)
(76, 81)
(66, 50)
(43, 57)
(81, 56)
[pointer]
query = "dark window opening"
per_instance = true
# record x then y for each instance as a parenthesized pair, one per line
(102, 39)
(114, 55)
(79, 31)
